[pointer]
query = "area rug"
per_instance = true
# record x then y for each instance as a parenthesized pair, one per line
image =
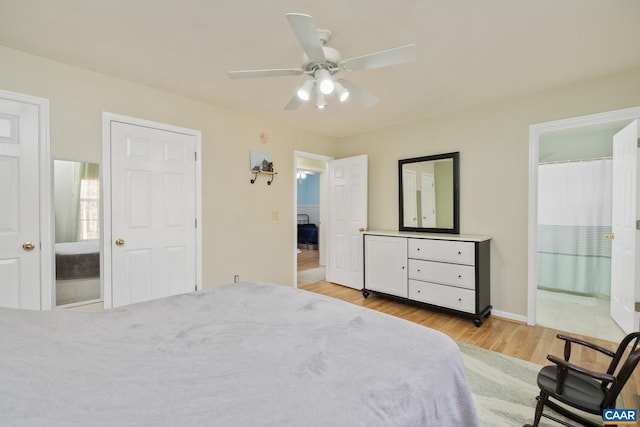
(503, 387)
(312, 275)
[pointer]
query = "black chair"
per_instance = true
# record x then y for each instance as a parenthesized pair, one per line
(581, 389)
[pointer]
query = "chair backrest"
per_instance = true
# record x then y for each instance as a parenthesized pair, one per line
(626, 369)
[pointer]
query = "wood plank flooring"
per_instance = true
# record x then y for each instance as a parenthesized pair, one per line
(531, 343)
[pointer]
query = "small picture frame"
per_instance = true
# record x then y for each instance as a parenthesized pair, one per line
(260, 161)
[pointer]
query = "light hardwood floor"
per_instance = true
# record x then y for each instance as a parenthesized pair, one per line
(531, 343)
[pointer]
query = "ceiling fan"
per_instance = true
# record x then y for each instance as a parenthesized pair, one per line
(322, 63)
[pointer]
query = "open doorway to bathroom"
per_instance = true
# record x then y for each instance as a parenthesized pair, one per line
(311, 214)
(570, 247)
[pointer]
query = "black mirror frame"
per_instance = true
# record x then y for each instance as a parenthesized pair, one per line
(456, 193)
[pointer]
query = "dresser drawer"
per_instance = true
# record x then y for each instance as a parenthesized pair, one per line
(463, 276)
(443, 250)
(442, 295)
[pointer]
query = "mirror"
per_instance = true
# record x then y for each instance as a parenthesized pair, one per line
(77, 232)
(429, 193)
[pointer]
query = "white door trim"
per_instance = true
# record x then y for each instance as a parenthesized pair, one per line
(47, 280)
(323, 205)
(107, 118)
(535, 131)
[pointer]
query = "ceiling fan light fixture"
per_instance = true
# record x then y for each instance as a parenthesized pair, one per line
(341, 92)
(320, 99)
(325, 82)
(304, 93)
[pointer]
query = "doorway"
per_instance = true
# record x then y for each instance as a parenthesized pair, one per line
(542, 137)
(76, 195)
(310, 213)
(574, 220)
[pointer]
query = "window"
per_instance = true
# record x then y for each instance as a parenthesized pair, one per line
(89, 221)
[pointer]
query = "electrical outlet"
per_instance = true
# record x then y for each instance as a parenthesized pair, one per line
(236, 278)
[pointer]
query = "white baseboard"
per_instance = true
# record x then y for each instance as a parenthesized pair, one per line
(510, 316)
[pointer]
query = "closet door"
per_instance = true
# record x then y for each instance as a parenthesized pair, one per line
(153, 213)
(19, 211)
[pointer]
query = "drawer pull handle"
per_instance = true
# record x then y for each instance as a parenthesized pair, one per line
(459, 276)
(459, 253)
(418, 270)
(418, 249)
(459, 299)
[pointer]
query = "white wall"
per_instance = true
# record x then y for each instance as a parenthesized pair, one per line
(493, 141)
(240, 234)
(64, 174)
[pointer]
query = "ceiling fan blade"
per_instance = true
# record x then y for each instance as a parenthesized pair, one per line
(250, 74)
(307, 34)
(294, 104)
(364, 97)
(385, 58)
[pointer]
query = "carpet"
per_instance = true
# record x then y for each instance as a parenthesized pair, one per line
(503, 387)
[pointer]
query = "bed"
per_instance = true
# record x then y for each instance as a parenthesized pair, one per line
(77, 260)
(307, 233)
(248, 354)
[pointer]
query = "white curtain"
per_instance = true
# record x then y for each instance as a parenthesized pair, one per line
(574, 213)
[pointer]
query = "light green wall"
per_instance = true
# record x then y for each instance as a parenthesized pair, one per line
(577, 146)
(443, 182)
(240, 234)
(493, 141)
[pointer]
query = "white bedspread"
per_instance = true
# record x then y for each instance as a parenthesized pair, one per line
(81, 247)
(238, 355)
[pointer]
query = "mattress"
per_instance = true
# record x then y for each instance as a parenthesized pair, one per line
(248, 354)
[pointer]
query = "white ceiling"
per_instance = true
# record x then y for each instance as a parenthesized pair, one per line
(470, 52)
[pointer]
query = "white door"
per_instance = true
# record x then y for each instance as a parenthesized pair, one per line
(409, 204)
(624, 253)
(428, 200)
(347, 220)
(153, 213)
(19, 207)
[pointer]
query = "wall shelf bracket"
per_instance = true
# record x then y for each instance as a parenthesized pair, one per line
(255, 173)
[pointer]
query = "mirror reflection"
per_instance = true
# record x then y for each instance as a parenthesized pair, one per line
(429, 193)
(77, 231)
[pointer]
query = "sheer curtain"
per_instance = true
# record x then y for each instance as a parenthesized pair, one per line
(86, 202)
(574, 214)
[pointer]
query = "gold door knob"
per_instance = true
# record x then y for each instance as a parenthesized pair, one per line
(28, 246)
(119, 242)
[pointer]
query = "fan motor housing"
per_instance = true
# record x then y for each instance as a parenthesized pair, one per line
(332, 59)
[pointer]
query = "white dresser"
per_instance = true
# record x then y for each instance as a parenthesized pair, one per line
(449, 272)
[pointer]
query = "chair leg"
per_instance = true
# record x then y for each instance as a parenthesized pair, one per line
(542, 399)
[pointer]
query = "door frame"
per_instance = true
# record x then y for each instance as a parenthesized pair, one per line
(107, 118)
(45, 180)
(535, 132)
(324, 209)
